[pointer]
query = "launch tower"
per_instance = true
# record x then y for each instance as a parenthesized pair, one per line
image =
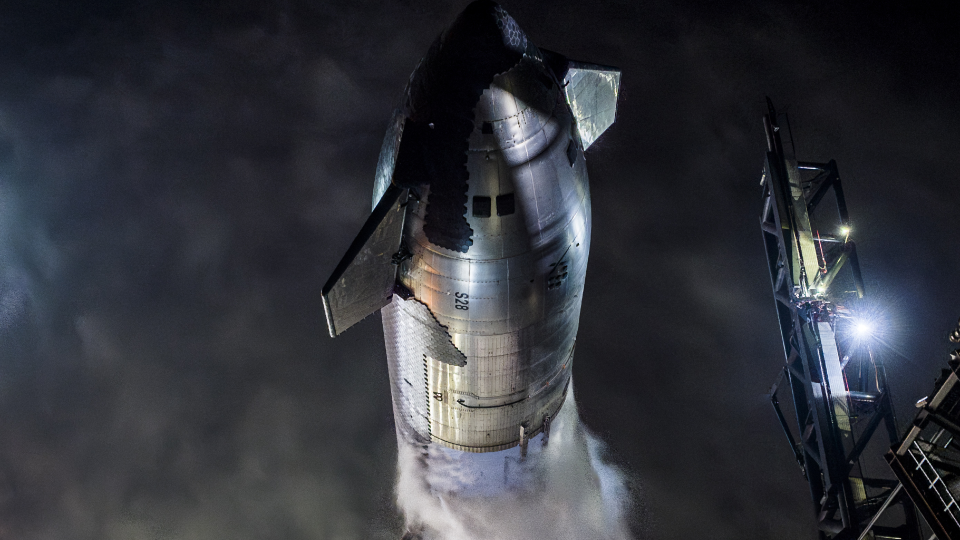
(926, 460)
(839, 392)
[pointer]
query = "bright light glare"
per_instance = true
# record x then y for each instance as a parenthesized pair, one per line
(845, 231)
(862, 329)
(868, 325)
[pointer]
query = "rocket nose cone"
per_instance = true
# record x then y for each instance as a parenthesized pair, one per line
(485, 26)
(482, 43)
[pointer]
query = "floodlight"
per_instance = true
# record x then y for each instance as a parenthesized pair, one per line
(862, 329)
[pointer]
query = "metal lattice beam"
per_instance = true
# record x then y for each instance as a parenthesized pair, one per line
(926, 460)
(838, 408)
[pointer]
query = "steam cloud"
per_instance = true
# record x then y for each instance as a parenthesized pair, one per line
(571, 493)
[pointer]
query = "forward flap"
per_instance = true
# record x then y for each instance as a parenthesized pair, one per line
(363, 281)
(591, 92)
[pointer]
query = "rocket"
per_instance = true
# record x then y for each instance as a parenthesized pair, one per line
(476, 250)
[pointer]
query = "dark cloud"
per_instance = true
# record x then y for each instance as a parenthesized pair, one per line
(176, 181)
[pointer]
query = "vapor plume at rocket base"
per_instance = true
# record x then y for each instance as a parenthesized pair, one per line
(570, 491)
(476, 253)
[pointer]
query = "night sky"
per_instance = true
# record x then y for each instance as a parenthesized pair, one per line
(177, 181)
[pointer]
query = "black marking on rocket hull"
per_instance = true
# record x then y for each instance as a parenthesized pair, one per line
(444, 91)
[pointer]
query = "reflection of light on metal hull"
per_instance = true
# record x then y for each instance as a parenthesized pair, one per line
(477, 247)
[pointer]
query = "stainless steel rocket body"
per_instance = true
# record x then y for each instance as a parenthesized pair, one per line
(511, 303)
(482, 207)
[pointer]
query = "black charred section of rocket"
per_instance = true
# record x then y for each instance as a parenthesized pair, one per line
(444, 91)
(402, 291)
(435, 154)
(445, 223)
(558, 63)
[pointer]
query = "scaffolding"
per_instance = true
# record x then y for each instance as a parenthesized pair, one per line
(926, 460)
(837, 383)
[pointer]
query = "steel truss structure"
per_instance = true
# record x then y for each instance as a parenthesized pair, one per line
(839, 392)
(926, 460)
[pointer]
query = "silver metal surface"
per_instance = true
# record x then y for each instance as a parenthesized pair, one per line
(481, 332)
(592, 94)
(504, 301)
(363, 281)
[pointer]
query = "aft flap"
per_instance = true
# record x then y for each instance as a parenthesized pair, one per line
(591, 92)
(363, 281)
